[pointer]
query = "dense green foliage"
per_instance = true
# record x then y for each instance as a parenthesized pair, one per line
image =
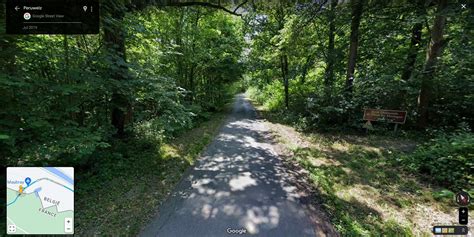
(318, 92)
(58, 91)
(448, 160)
(63, 97)
(410, 56)
(110, 103)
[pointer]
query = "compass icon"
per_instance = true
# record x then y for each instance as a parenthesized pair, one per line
(462, 198)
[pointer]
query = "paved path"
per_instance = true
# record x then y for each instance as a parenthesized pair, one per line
(239, 184)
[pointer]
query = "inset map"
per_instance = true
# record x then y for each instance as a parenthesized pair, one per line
(40, 200)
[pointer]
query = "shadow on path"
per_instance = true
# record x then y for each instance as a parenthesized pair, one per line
(238, 183)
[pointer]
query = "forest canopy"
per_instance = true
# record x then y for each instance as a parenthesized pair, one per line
(158, 68)
(336, 59)
(161, 70)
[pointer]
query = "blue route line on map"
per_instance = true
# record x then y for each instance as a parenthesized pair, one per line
(13, 200)
(31, 185)
(62, 175)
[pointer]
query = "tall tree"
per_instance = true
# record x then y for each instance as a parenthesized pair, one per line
(357, 9)
(192, 63)
(435, 49)
(283, 54)
(329, 74)
(415, 42)
(415, 45)
(7, 45)
(114, 40)
(180, 71)
(284, 73)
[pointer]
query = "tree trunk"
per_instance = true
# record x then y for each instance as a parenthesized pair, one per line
(284, 72)
(412, 51)
(7, 45)
(357, 9)
(114, 39)
(415, 44)
(193, 85)
(283, 56)
(8, 51)
(435, 50)
(191, 82)
(181, 77)
(329, 78)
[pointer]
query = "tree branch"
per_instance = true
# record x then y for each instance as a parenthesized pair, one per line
(206, 4)
(137, 5)
(238, 6)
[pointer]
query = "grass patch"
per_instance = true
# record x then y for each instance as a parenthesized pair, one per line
(364, 192)
(121, 193)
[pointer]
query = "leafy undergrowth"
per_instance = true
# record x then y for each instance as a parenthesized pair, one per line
(448, 159)
(365, 193)
(122, 193)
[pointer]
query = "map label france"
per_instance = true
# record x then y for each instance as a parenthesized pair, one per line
(40, 200)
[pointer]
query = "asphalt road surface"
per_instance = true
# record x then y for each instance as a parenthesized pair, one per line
(237, 188)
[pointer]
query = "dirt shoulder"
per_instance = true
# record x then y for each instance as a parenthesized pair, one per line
(352, 180)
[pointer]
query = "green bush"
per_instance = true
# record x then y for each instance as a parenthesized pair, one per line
(271, 96)
(448, 159)
(253, 93)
